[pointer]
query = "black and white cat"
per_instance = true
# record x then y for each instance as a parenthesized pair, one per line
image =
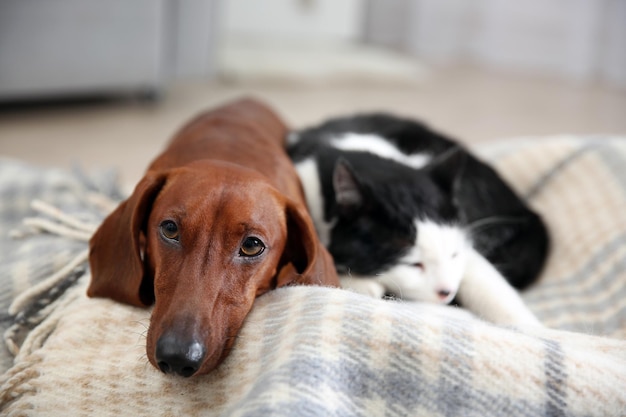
(408, 212)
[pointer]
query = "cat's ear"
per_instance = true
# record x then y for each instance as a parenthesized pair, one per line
(447, 169)
(348, 194)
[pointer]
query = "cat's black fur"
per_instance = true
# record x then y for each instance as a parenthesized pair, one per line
(455, 188)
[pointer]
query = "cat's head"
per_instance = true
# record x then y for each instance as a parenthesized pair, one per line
(399, 226)
(433, 268)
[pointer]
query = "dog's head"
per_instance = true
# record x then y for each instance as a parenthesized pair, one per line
(201, 242)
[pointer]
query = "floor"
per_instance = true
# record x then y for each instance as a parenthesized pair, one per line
(471, 104)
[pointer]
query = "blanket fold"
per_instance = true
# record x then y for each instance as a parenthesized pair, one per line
(312, 351)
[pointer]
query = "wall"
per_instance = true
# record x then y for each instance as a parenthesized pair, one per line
(577, 39)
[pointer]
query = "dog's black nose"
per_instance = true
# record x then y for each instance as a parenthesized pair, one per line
(175, 356)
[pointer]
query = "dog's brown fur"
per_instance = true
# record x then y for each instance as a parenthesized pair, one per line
(224, 177)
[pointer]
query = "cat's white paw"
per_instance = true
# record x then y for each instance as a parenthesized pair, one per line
(487, 294)
(363, 286)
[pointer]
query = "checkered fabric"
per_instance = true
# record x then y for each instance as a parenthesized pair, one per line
(313, 351)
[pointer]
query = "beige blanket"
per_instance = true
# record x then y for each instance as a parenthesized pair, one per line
(307, 351)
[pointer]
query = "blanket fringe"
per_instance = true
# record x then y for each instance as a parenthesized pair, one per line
(25, 299)
(55, 213)
(60, 223)
(48, 322)
(15, 383)
(102, 203)
(33, 306)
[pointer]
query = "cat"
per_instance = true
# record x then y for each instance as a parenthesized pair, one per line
(408, 212)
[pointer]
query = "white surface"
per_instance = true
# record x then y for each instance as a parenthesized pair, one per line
(294, 19)
(315, 62)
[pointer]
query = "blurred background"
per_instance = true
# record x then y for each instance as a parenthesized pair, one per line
(106, 83)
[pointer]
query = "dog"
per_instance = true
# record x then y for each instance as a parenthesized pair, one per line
(218, 219)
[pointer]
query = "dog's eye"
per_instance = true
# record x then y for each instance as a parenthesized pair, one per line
(169, 230)
(252, 246)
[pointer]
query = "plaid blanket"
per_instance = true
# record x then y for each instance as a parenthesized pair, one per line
(311, 351)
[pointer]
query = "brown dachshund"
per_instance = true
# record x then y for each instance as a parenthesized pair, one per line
(218, 220)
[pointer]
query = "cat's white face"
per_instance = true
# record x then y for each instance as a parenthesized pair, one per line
(433, 269)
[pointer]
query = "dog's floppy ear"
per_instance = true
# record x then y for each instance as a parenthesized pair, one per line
(115, 250)
(305, 261)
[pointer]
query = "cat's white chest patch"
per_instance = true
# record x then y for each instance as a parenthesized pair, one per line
(377, 145)
(309, 175)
